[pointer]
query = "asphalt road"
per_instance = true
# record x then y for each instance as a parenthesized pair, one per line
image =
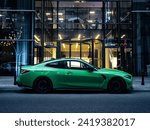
(26, 101)
(14, 99)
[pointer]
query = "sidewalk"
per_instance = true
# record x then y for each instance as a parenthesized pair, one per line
(137, 83)
(8, 82)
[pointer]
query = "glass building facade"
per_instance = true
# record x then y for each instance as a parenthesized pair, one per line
(98, 31)
(17, 31)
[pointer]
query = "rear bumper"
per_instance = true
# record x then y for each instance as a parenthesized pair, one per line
(20, 84)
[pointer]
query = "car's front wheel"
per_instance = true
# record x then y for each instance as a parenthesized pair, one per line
(117, 85)
(43, 85)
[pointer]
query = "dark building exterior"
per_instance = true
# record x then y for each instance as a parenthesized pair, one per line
(107, 33)
(141, 38)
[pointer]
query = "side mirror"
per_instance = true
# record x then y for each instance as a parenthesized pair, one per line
(90, 69)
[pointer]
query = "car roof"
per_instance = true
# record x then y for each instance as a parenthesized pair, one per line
(68, 59)
(62, 59)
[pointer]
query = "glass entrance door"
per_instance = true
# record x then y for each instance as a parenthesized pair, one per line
(87, 50)
(77, 49)
(70, 49)
(65, 50)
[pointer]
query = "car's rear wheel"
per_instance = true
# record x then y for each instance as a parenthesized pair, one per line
(117, 85)
(43, 85)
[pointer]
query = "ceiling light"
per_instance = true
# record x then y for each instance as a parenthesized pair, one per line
(61, 19)
(90, 21)
(36, 41)
(49, 18)
(92, 12)
(60, 14)
(36, 37)
(109, 12)
(123, 36)
(82, 1)
(48, 14)
(64, 45)
(1, 15)
(79, 36)
(76, 45)
(60, 37)
(97, 36)
(77, 1)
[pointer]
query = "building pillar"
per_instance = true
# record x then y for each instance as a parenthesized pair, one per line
(137, 45)
(24, 46)
(58, 51)
(41, 55)
(145, 41)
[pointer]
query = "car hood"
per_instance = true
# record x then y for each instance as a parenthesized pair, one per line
(112, 71)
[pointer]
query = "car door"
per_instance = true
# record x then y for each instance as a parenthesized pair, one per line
(56, 71)
(79, 76)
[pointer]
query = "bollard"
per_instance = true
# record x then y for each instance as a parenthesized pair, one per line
(14, 79)
(142, 82)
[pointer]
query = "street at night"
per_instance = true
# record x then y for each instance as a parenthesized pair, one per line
(48, 46)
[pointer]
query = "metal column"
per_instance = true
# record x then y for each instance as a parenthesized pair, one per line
(41, 58)
(104, 36)
(58, 42)
(92, 52)
(31, 61)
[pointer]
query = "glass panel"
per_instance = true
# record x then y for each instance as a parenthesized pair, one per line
(49, 53)
(75, 50)
(111, 58)
(110, 12)
(125, 12)
(126, 31)
(65, 50)
(16, 36)
(44, 36)
(98, 53)
(12, 25)
(36, 55)
(111, 34)
(86, 51)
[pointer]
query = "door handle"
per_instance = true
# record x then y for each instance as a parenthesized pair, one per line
(69, 73)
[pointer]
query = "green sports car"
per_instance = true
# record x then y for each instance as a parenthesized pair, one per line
(70, 74)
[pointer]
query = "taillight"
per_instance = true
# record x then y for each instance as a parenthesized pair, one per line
(24, 71)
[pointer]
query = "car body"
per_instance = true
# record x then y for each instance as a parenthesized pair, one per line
(69, 73)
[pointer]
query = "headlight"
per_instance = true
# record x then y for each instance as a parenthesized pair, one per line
(128, 76)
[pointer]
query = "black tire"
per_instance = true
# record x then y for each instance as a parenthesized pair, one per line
(117, 85)
(43, 85)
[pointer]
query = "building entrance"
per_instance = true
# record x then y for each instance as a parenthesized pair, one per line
(88, 50)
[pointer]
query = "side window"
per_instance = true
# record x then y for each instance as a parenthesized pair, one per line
(76, 65)
(53, 64)
(59, 64)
